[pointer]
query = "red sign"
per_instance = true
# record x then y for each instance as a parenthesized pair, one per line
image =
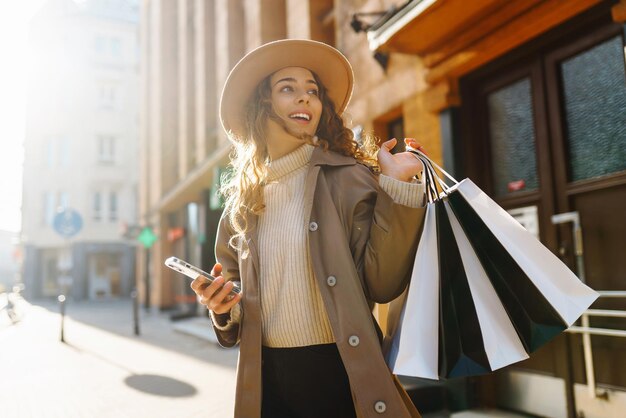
(516, 185)
(174, 234)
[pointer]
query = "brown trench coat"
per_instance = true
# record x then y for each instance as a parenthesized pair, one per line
(367, 242)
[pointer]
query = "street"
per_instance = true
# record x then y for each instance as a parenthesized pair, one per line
(104, 370)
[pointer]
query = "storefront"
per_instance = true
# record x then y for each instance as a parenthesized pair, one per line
(83, 270)
(531, 97)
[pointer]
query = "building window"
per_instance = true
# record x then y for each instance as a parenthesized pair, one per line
(107, 95)
(97, 206)
(49, 207)
(113, 216)
(64, 152)
(107, 46)
(395, 129)
(100, 44)
(115, 46)
(391, 125)
(106, 149)
(57, 151)
(50, 152)
(64, 200)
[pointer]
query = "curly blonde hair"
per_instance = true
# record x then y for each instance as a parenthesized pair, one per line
(243, 187)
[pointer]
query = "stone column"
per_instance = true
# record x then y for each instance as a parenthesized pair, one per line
(204, 86)
(298, 19)
(186, 102)
(230, 43)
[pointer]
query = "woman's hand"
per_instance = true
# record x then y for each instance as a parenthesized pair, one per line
(218, 300)
(402, 166)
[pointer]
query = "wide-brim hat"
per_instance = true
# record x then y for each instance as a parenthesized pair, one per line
(331, 66)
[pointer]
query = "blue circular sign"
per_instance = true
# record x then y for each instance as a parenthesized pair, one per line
(67, 223)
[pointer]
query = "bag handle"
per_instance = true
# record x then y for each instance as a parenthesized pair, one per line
(430, 174)
(429, 179)
(424, 156)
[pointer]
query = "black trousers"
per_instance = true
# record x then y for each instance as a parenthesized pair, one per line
(305, 382)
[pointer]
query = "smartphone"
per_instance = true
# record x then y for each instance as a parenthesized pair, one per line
(193, 272)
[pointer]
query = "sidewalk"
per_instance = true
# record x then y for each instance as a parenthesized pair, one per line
(104, 370)
(198, 327)
(173, 369)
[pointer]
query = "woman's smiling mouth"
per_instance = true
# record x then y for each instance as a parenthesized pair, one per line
(300, 117)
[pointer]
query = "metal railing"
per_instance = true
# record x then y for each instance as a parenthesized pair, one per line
(588, 331)
(585, 329)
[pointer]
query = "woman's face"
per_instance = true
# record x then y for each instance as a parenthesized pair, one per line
(295, 99)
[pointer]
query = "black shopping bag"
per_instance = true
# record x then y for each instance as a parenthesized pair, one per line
(461, 351)
(532, 315)
(484, 292)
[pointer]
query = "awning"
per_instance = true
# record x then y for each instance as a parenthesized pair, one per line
(425, 26)
(454, 37)
(381, 37)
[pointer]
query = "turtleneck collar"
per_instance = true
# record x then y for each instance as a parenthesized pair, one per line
(290, 162)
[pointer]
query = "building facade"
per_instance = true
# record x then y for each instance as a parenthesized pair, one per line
(527, 98)
(10, 258)
(81, 148)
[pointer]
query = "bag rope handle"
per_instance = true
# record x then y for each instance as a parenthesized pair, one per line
(421, 154)
(430, 174)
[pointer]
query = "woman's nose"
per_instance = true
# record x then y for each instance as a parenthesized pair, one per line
(304, 97)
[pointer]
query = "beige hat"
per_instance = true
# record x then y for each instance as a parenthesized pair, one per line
(329, 64)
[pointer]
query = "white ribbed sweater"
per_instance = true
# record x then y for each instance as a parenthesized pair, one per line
(292, 310)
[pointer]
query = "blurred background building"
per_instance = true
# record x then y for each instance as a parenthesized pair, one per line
(526, 97)
(10, 259)
(81, 147)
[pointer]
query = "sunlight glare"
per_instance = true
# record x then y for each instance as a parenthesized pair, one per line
(14, 19)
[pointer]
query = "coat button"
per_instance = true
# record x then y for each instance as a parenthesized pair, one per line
(331, 281)
(353, 341)
(380, 407)
(313, 226)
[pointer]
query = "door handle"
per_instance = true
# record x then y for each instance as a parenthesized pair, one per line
(574, 218)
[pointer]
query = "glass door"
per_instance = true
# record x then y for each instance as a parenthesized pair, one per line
(544, 132)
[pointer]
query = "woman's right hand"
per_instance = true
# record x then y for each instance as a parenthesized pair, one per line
(218, 300)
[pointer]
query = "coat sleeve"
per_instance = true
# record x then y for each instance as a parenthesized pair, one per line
(227, 336)
(385, 259)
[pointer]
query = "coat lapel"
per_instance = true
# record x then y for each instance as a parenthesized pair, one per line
(249, 395)
(319, 158)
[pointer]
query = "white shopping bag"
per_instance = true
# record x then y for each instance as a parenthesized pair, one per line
(502, 283)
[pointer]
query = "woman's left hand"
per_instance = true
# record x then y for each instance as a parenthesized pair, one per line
(402, 166)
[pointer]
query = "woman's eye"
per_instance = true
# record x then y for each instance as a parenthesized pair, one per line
(314, 92)
(286, 88)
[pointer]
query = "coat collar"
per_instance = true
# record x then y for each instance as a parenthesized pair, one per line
(322, 157)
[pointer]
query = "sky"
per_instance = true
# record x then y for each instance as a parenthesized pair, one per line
(14, 18)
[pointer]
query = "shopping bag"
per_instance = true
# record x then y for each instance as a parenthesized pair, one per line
(532, 315)
(492, 291)
(441, 341)
(461, 350)
(414, 349)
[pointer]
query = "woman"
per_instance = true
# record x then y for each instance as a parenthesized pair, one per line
(314, 237)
